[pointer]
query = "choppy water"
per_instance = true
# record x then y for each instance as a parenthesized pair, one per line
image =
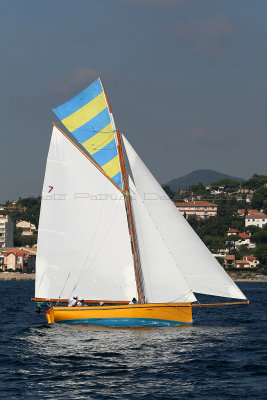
(221, 356)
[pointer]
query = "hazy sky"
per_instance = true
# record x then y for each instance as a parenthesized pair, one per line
(186, 80)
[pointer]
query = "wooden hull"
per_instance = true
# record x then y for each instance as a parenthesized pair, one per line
(129, 316)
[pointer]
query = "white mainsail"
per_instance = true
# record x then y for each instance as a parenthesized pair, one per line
(198, 266)
(164, 282)
(83, 243)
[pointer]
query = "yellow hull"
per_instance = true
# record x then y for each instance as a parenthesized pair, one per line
(141, 315)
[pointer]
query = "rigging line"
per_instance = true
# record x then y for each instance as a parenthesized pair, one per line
(40, 282)
(100, 247)
(182, 296)
(176, 263)
(100, 145)
(198, 311)
(91, 245)
(142, 230)
(63, 287)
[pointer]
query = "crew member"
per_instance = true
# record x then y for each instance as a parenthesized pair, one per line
(73, 301)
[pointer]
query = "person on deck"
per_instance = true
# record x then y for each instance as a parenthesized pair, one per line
(73, 302)
(80, 303)
(134, 301)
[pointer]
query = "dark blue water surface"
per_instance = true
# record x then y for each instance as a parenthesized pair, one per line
(221, 356)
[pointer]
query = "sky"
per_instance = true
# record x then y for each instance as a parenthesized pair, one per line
(186, 80)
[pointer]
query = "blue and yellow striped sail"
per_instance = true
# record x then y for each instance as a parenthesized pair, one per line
(88, 119)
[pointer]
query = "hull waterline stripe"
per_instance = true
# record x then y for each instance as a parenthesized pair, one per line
(123, 322)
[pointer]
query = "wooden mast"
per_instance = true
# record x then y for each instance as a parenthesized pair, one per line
(129, 208)
(128, 204)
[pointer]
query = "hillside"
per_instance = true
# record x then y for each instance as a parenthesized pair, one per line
(205, 176)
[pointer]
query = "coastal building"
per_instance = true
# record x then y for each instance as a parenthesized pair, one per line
(239, 197)
(18, 259)
(27, 228)
(202, 209)
(6, 231)
(13, 260)
(245, 190)
(229, 261)
(256, 220)
(244, 238)
(249, 198)
(247, 262)
(231, 232)
(250, 211)
(242, 264)
(253, 262)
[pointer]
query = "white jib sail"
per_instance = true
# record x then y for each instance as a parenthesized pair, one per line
(199, 267)
(164, 282)
(83, 242)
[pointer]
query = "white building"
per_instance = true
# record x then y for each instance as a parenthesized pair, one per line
(202, 209)
(6, 231)
(27, 227)
(256, 220)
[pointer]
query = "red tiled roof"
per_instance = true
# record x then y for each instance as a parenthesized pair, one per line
(229, 257)
(241, 262)
(195, 204)
(243, 235)
(233, 230)
(256, 216)
(249, 258)
(250, 211)
(15, 252)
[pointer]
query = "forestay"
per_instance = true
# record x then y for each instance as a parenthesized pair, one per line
(83, 243)
(164, 282)
(198, 266)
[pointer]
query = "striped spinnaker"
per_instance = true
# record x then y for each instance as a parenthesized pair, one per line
(88, 119)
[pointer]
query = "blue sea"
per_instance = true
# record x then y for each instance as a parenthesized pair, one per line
(221, 356)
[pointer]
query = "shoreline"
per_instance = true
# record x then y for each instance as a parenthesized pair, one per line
(16, 276)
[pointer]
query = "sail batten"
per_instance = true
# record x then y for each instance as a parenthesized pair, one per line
(198, 266)
(84, 245)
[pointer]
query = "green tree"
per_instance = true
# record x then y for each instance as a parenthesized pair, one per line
(255, 181)
(226, 182)
(198, 189)
(259, 199)
(169, 192)
(231, 243)
(259, 237)
(214, 243)
(252, 229)
(261, 253)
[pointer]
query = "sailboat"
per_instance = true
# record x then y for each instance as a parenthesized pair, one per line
(108, 234)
